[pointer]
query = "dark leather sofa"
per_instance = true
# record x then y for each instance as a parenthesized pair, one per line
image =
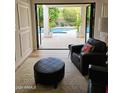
(98, 79)
(82, 60)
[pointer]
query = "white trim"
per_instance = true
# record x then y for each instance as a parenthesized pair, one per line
(21, 37)
(19, 62)
(27, 9)
(23, 3)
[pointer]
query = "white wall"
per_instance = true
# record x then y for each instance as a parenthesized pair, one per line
(98, 13)
(104, 35)
(23, 31)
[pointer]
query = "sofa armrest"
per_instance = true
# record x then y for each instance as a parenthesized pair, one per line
(75, 48)
(98, 74)
(91, 58)
(98, 68)
(98, 79)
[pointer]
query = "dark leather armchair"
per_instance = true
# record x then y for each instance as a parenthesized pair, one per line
(98, 79)
(82, 60)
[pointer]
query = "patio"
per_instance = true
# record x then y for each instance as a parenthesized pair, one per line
(48, 40)
(60, 40)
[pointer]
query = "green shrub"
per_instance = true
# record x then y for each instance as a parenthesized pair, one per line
(78, 22)
(53, 15)
(40, 15)
(62, 24)
(70, 15)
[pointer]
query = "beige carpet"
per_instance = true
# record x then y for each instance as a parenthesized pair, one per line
(73, 81)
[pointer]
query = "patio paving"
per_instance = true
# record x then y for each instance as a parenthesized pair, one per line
(61, 40)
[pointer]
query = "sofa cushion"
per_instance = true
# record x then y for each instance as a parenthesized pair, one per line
(99, 46)
(76, 59)
(87, 48)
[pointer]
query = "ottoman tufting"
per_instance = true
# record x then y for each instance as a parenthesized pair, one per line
(49, 71)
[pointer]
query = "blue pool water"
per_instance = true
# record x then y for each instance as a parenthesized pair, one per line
(61, 30)
(58, 30)
(88, 29)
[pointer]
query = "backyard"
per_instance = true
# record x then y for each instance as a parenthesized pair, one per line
(60, 17)
(64, 25)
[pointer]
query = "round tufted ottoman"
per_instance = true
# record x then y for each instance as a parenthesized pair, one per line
(49, 71)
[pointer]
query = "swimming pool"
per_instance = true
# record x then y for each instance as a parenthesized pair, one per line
(58, 30)
(61, 30)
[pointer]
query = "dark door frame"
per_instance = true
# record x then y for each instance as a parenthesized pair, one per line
(92, 19)
(36, 26)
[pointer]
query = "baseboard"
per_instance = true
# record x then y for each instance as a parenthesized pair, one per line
(21, 61)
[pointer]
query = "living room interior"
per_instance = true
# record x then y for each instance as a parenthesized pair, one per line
(82, 68)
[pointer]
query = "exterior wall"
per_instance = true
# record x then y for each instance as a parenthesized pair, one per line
(83, 15)
(46, 21)
(23, 31)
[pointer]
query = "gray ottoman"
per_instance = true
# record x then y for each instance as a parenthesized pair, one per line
(49, 71)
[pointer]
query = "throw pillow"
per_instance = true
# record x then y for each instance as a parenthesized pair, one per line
(87, 48)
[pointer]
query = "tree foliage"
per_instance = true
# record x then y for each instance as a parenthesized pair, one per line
(53, 15)
(70, 15)
(88, 15)
(40, 15)
(78, 22)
